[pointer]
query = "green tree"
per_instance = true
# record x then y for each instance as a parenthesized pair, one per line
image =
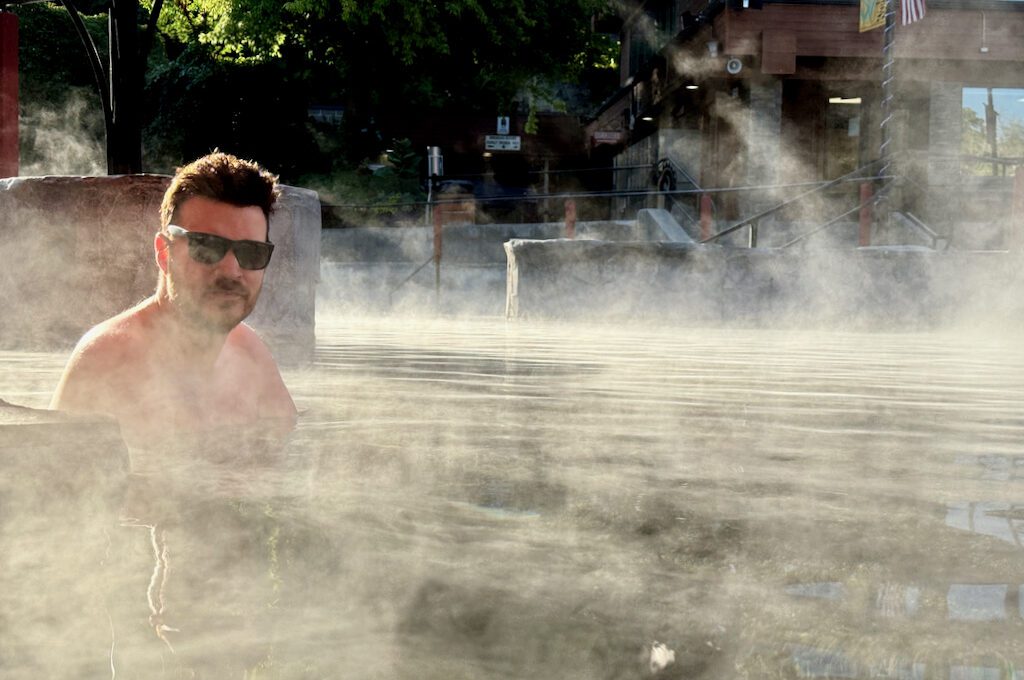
(240, 74)
(384, 58)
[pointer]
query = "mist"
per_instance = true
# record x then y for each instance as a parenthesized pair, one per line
(673, 461)
(64, 138)
(552, 498)
(598, 452)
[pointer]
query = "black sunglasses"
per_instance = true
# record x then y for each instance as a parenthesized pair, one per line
(211, 249)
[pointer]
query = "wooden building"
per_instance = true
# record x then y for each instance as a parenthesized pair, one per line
(764, 95)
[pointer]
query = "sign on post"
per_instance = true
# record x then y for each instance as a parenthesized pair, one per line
(501, 142)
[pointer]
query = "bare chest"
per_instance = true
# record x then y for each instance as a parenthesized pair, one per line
(224, 395)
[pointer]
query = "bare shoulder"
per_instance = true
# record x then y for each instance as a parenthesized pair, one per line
(245, 340)
(108, 348)
(107, 336)
(116, 339)
(275, 402)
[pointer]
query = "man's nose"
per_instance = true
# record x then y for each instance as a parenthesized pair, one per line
(229, 265)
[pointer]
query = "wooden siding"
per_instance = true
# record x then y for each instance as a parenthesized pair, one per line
(818, 30)
(957, 34)
(832, 31)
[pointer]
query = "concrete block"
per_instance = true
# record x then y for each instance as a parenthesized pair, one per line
(60, 492)
(661, 223)
(58, 464)
(679, 283)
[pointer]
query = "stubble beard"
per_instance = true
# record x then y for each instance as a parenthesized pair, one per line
(207, 308)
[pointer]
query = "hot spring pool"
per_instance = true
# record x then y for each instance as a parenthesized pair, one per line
(491, 499)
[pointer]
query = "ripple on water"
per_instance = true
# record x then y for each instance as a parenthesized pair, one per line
(478, 498)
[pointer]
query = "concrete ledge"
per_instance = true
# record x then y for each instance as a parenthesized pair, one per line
(663, 225)
(473, 244)
(59, 464)
(689, 284)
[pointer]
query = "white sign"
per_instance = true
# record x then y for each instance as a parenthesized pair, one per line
(501, 142)
(502, 125)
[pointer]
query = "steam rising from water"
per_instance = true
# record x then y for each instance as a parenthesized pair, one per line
(478, 498)
(67, 139)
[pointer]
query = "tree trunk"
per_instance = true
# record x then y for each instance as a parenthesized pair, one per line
(124, 134)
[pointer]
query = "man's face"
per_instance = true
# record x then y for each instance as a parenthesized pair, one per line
(216, 296)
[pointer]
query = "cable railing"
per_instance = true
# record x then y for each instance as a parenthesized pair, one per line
(809, 207)
(752, 221)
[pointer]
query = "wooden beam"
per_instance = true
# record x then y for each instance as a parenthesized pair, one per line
(832, 31)
(778, 52)
(9, 148)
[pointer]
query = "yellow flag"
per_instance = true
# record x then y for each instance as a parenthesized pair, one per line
(872, 14)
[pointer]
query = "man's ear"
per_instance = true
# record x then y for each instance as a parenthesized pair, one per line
(160, 245)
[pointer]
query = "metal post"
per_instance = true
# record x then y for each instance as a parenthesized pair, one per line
(866, 195)
(9, 149)
(570, 218)
(429, 210)
(438, 219)
(435, 170)
(1017, 220)
(547, 189)
(705, 217)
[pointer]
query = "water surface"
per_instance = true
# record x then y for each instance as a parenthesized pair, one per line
(489, 499)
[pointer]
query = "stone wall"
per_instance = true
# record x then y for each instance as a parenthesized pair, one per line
(893, 287)
(77, 250)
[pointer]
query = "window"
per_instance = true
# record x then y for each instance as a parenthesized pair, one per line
(992, 137)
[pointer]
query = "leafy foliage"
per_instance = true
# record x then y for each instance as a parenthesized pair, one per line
(403, 160)
(470, 55)
(51, 56)
(62, 118)
(241, 75)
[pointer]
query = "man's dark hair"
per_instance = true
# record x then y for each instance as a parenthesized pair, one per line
(221, 177)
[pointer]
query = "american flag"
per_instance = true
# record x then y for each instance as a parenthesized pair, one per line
(912, 10)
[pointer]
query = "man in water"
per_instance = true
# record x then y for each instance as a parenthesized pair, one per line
(182, 361)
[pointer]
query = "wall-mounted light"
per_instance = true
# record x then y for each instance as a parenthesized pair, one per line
(693, 87)
(713, 48)
(844, 100)
(647, 118)
(487, 154)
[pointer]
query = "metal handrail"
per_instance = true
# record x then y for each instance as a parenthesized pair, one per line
(855, 175)
(826, 225)
(916, 222)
